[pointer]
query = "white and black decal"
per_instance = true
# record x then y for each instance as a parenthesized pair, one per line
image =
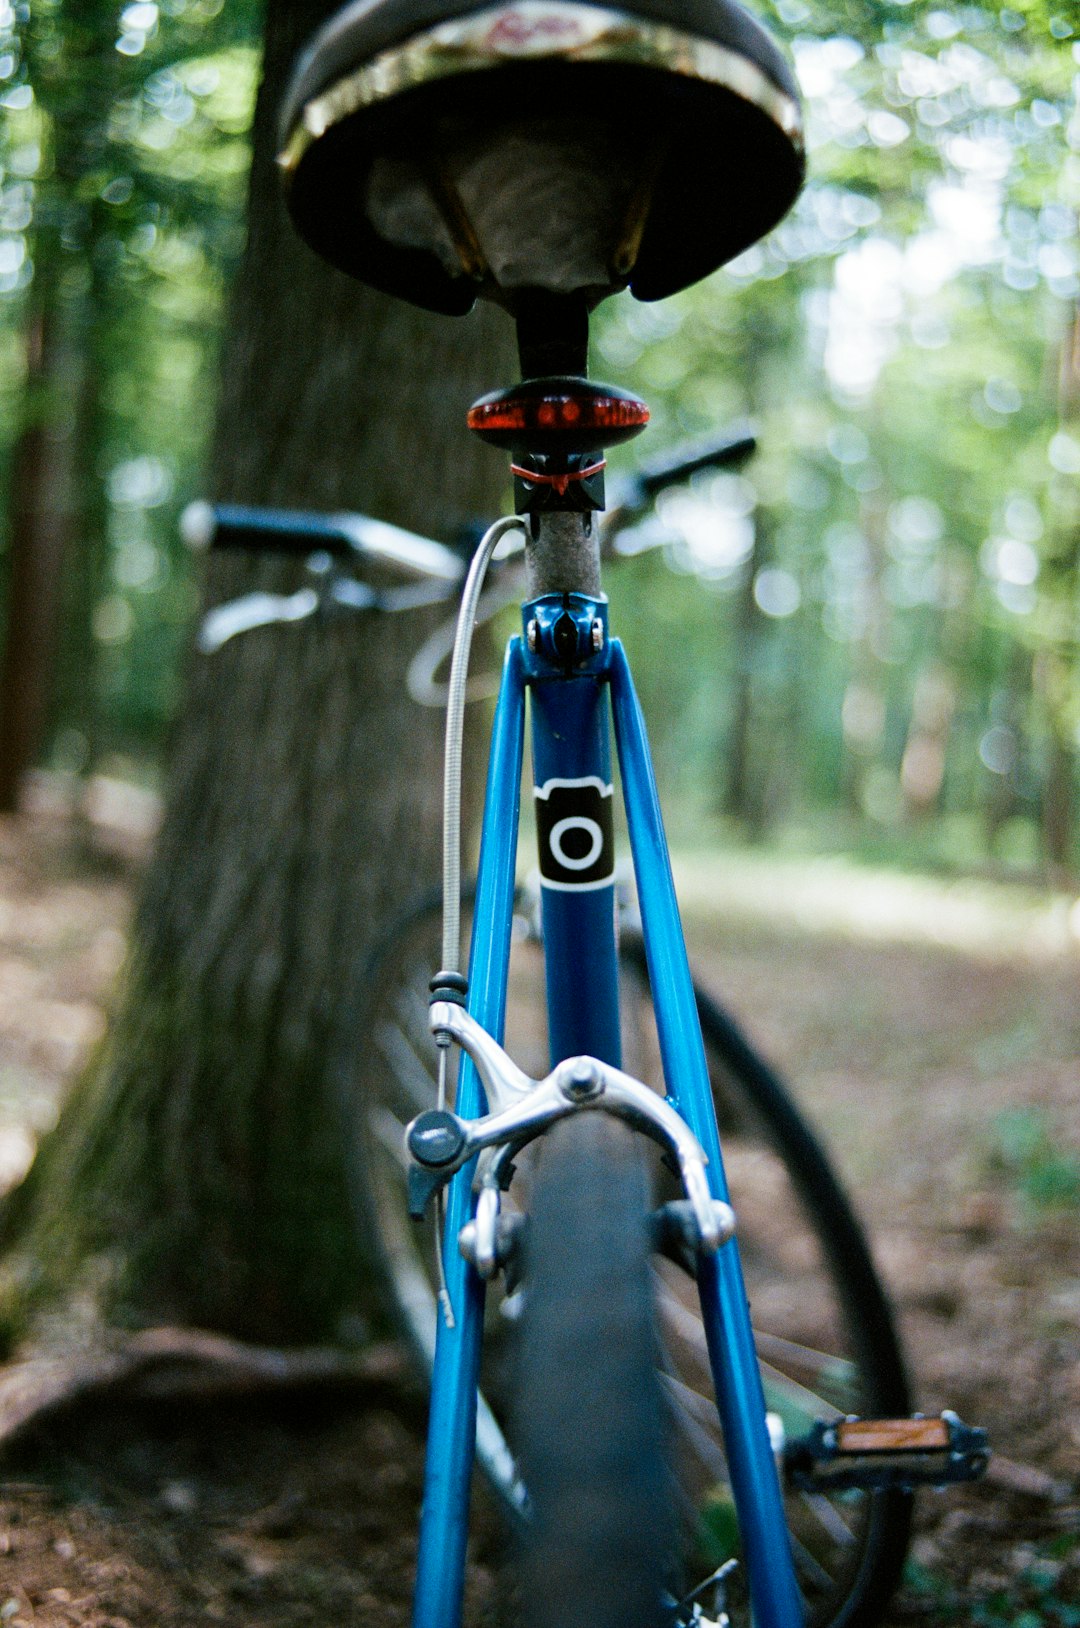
(576, 833)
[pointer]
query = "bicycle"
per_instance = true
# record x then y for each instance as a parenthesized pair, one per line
(627, 1495)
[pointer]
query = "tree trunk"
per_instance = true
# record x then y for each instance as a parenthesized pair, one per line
(195, 1175)
(1057, 810)
(40, 528)
(1057, 667)
(56, 476)
(743, 792)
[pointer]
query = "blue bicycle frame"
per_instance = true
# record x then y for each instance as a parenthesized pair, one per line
(571, 715)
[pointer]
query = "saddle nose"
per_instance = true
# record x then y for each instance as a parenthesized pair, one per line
(444, 151)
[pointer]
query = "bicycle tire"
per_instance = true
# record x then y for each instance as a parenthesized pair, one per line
(588, 1411)
(825, 1333)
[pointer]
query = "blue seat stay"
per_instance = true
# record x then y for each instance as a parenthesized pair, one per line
(740, 1397)
(451, 1442)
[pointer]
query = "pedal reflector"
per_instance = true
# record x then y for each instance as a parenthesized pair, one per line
(892, 1436)
(880, 1453)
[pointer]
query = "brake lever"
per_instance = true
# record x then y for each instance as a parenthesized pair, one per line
(253, 610)
(335, 592)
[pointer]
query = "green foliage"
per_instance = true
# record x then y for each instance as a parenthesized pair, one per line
(1027, 1150)
(911, 523)
(125, 162)
(873, 624)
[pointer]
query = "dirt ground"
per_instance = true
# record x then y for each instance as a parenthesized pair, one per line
(948, 1086)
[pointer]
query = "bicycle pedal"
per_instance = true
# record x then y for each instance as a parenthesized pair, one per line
(882, 1453)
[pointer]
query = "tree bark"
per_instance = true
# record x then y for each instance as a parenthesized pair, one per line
(56, 457)
(742, 800)
(195, 1176)
(40, 531)
(1057, 668)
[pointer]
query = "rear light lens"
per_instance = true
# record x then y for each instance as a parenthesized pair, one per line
(558, 414)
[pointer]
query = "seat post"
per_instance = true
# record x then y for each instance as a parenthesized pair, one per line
(562, 556)
(563, 551)
(552, 333)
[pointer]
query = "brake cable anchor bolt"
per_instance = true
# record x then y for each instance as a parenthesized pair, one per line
(581, 1080)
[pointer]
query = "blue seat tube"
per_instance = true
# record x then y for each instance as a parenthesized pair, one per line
(571, 746)
(740, 1398)
(451, 1442)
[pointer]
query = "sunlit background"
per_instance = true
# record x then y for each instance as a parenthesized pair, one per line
(868, 636)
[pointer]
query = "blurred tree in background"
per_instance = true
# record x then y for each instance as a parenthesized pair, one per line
(879, 640)
(196, 1174)
(124, 155)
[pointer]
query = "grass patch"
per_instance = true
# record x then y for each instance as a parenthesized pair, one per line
(1027, 1151)
(1042, 1594)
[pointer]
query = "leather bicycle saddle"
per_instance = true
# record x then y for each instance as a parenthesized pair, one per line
(443, 150)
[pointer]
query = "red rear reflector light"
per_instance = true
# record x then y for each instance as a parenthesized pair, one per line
(559, 413)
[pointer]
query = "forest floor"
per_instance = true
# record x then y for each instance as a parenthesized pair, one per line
(942, 1066)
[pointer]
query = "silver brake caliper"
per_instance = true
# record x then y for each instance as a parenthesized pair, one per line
(440, 1143)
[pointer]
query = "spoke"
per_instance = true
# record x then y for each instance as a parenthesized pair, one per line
(830, 1518)
(703, 1442)
(686, 1324)
(687, 1511)
(404, 1068)
(787, 1392)
(832, 1370)
(809, 1568)
(693, 1415)
(795, 1403)
(409, 1009)
(390, 1134)
(700, 1405)
(410, 1002)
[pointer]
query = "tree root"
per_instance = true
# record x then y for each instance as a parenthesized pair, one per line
(182, 1363)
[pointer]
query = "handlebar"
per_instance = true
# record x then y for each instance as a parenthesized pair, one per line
(298, 531)
(639, 490)
(432, 572)
(356, 537)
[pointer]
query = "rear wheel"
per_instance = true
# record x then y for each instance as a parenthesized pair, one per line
(823, 1330)
(588, 1411)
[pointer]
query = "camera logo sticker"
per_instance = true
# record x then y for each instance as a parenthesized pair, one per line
(575, 830)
